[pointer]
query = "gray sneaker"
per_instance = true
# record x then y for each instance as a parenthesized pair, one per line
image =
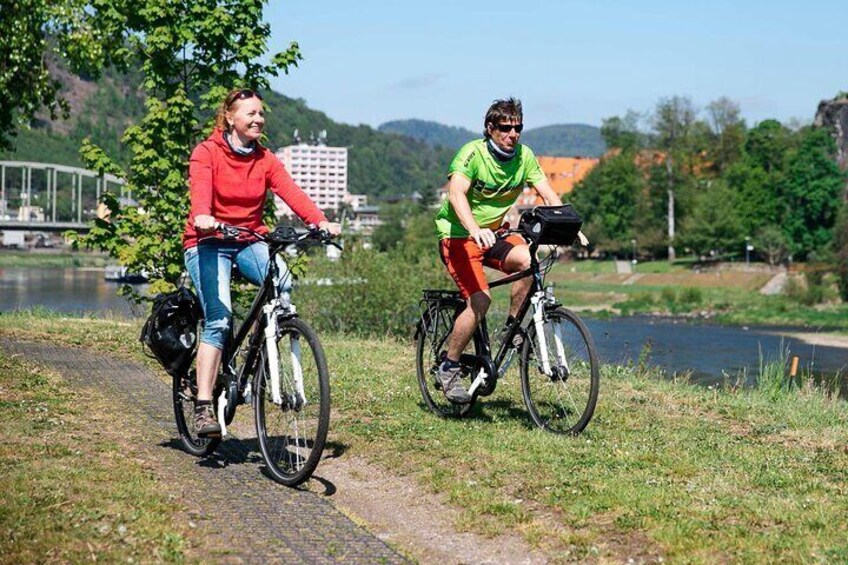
(205, 422)
(451, 383)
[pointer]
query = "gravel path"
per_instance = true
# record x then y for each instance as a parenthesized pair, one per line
(252, 519)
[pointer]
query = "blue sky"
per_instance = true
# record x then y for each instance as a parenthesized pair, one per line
(569, 61)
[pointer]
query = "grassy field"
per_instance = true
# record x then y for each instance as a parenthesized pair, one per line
(70, 493)
(665, 470)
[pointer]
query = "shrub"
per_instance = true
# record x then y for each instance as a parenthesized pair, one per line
(368, 292)
(691, 295)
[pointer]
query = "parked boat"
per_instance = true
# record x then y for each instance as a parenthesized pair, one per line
(121, 274)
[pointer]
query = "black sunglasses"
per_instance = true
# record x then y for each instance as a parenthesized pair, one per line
(243, 94)
(506, 128)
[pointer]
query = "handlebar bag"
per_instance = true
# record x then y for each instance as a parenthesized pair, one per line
(551, 225)
(170, 332)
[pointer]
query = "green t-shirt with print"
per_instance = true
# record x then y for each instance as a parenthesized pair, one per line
(495, 186)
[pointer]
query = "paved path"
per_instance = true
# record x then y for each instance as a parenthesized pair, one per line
(257, 519)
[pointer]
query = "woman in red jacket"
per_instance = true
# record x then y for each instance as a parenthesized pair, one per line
(230, 174)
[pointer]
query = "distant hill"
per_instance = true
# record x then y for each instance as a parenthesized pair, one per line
(433, 133)
(381, 165)
(564, 140)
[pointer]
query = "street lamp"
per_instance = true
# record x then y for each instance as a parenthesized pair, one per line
(748, 249)
(633, 260)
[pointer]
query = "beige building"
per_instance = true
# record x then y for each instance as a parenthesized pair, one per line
(319, 170)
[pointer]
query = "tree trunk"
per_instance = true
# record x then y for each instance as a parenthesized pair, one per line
(668, 167)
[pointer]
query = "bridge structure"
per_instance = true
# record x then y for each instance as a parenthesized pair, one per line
(46, 197)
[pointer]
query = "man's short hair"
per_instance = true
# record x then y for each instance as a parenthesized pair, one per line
(502, 111)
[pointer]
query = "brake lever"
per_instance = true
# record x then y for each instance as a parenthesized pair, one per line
(229, 232)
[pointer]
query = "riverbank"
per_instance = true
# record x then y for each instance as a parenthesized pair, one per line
(665, 471)
(729, 295)
(52, 258)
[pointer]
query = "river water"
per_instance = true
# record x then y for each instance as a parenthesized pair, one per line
(708, 353)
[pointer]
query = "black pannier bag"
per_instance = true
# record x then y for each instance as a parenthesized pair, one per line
(551, 225)
(170, 332)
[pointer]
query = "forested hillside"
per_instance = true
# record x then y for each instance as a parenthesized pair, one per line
(563, 140)
(381, 164)
(433, 133)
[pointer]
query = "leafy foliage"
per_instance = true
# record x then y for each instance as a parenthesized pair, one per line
(191, 47)
(84, 34)
(777, 188)
(812, 190)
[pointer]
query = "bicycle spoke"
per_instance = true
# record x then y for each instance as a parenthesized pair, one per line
(292, 433)
(563, 400)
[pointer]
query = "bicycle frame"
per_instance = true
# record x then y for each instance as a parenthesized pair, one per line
(538, 299)
(266, 306)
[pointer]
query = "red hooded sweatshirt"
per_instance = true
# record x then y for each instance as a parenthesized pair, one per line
(233, 187)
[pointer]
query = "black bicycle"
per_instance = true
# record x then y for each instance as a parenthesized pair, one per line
(558, 361)
(276, 362)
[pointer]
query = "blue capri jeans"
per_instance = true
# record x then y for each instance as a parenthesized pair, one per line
(210, 266)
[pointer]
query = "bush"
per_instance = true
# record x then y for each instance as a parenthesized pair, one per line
(691, 295)
(367, 292)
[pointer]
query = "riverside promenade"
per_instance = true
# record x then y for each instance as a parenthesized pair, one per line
(245, 516)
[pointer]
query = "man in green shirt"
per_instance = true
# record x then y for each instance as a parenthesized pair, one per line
(485, 179)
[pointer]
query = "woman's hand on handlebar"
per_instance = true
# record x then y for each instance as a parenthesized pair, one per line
(205, 223)
(331, 228)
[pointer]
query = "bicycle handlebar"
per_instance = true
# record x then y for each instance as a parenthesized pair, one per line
(281, 235)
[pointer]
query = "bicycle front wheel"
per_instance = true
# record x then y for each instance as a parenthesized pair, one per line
(184, 392)
(563, 399)
(292, 431)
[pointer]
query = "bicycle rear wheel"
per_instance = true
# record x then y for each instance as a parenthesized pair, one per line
(564, 401)
(292, 433)
(184, 392)
(433, 332)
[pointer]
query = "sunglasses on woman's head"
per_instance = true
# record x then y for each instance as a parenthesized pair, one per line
(243, 94)
(506, 128)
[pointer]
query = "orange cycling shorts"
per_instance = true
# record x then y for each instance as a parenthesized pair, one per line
(465, 260)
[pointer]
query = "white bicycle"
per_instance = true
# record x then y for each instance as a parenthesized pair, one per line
(275, 362)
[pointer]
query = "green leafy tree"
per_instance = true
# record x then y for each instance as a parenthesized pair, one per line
(34, 32)
(673, 124)
(767, 145)
(756, 194)
(607, 200)
(190, 53)
(812, 194)
(727, 132)
(840, 237)
(714, 223)
(622, 133)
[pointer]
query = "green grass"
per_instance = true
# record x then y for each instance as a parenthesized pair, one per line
(665, 469)
(70, 493)
(51, 259)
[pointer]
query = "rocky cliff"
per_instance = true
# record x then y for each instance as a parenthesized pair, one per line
(833, 114)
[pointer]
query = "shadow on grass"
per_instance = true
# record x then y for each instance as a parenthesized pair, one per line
(485, 410)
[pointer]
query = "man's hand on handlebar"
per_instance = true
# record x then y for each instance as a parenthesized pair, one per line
(485, 238)
(581, 237)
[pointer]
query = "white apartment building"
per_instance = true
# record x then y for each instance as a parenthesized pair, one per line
(319, 170)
